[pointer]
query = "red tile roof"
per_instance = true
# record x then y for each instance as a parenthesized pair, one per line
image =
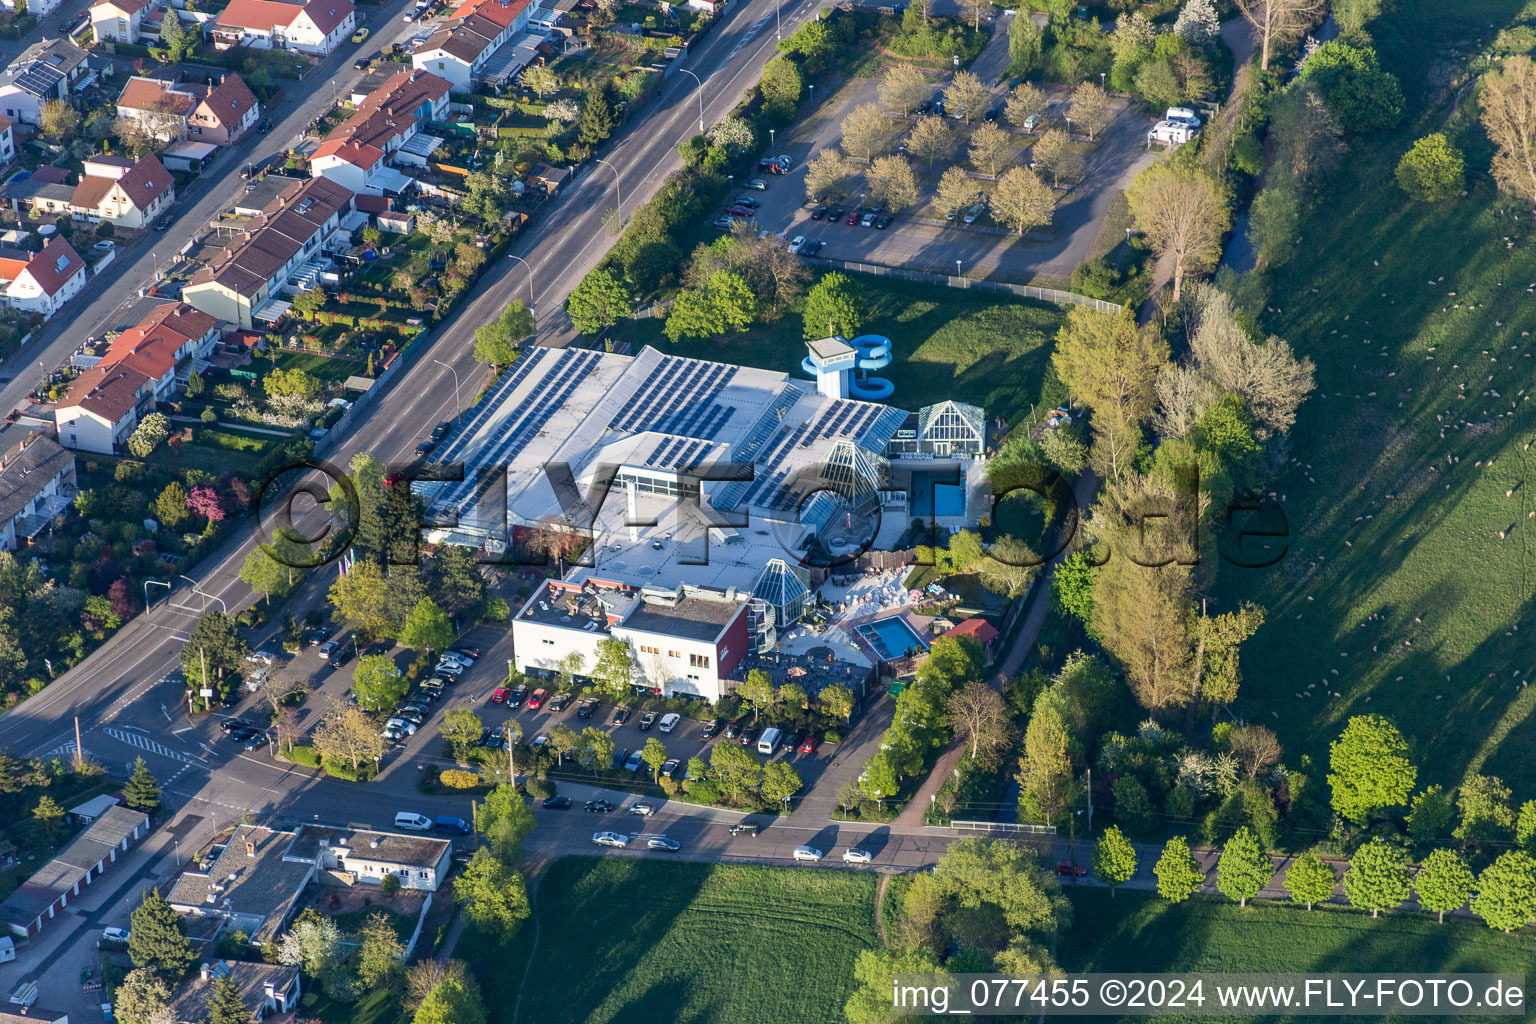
(126, 6)
(502, 12)
(154, 94)
(108, 390)
(48, 174)
(388, 111)
(366, 157)
(230, 101)
(981, 629)
(264, 14)
(55, 265)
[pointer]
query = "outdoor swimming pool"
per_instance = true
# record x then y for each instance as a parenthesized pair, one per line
(891, 637)
(930, 496)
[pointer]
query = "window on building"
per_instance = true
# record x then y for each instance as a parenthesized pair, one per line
(698, 660)
(672, 654)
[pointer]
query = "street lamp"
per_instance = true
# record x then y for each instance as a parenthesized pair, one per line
(618, 195)
(957, 268)
(699, 92)
(1101, 79)
(778, 20)
(158, 583)
(528, 267)
(456, 405)
(773, 142)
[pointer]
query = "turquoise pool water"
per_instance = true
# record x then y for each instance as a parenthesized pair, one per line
(930, 498)
(891, 637)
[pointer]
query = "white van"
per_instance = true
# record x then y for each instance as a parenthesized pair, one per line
(769, 742)
(413, 822)
(669, 721)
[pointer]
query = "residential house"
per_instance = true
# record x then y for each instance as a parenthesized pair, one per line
(318, 26)
(39, 8)
(65, 876)
(354, 153)
(37, 483)
(120, 21)
(143, 366)
(462, 50)
(249, 887)
(264, 988)
(7, 140)
(44, 71)
(122, 192)
(362, 856)
(42, 282)
(982, 630)
(33, 1014)
(218, 113)
(240, 282)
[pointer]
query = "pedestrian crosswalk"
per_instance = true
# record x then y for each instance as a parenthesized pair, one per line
(135, 739)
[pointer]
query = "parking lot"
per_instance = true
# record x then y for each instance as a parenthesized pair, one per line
(928, 243)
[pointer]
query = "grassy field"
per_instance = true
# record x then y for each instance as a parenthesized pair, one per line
(976, 347)
(1407, 585)
(638, 941)
(1137, 931)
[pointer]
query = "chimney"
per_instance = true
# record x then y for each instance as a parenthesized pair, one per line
(205, 972)
(250, 849)
(271, 990)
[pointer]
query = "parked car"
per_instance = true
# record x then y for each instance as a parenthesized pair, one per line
(464, 651)
(499, 695)
(853, 218)
(455, 658)
(732, 730)
(515, 698)
(1030, 122)
(834, 214)
(448, 668)
(536, 701)
(598, 806)
(744, 828)
(710, 728)
(243, 734)
(854, 855)
(621, 714)
(315, 636)
(669, 721)
(749, 736)
(362, 63)
(818, 213)
(610, 839)
(797, 244)
(619, 757)
(808, 745)
(749, 202)
(757, 185)
(559, 701)
(360, 35)
(812, 247)
(738, 211)
(1065, 869)
(809, 853)
(669, 767)
(229, 725)
(105, 245)
(882, 220)
(410, 16)
(662, 843)
(642, 808)
(558, 803)
(584, 709)
(783, 163)
(114, 936)
(263, 126)
(868, 220)
(992, 114)
(634, 762)
(412, 822)
(647, 720)
(450, 826)
(162, 224)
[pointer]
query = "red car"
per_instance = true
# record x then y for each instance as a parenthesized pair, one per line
(1065, 868)
(537, 700)
(808, 745)
(500, 695)
(853, 218)
(739, 211)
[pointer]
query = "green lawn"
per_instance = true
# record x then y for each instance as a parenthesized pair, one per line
(638, 941)
(321, 367)
(976, 347)
(1137, 931)
(1398, 590)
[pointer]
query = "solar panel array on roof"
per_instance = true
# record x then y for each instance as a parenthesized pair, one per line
(680, 400)
(39, 78)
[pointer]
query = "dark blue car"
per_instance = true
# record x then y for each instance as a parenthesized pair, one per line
(451, 826)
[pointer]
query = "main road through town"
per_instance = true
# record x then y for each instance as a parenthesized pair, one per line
(117, 695)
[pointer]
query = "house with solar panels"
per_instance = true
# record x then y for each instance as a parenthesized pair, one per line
(45, 71)
(702, 486)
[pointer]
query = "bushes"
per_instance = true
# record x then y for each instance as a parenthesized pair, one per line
(458, 778)
(303, 754)
(539, 789)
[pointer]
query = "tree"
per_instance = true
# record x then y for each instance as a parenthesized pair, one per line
(1269, 378)
(216, 642)
(968, 96)
(1178, 875)
(1114, 859)
(780, 782)
(58, 121)
(506, 821)
(1183, 215)
(314, 944)
(781, 86)
(598, 117)
(990, 148)
(835, 305)
(379, 952)
(1274, 221)
(757, 689)
(1024, 102)
(306, 303)
(269, 569)
(462, 728)
(725, 303)
(157, 938)
(1309, 880)
(453, 580)
(874, 974)
(1111, 365)
(348, 735)
(142, 793)
(1053, 155)
(562, 111)
(171, 505)
(891, 183)
(1361, 94)
(1198, 22)
(735, 135)
(956, 191)
(1506, 891)
(491, 893)
(49, 816)
(827, 176)
(1432, 171)
(372, 601)
(1045, 770)
(866, 131)
(977, 715)
(615, 667)
(176, 39)
(1377, 878)
(224, 1003)
(152, 429)
(496, 342)
(1022, 201)
(1433, 811)
(427, 627)
(596, 749)
(654, 754)
(1008, 567)
(1508, 101)
(1444, 882)
(1485, 810)
(1090, 108)
(141, 998)
(453, 1001)
(378, 684)
(598, 302)
(1369, 768)
(929, 139)
(903, 87)
(1277, 21)
(1026, 41)
(837, 700)
(1244, 868)
(542, 79)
